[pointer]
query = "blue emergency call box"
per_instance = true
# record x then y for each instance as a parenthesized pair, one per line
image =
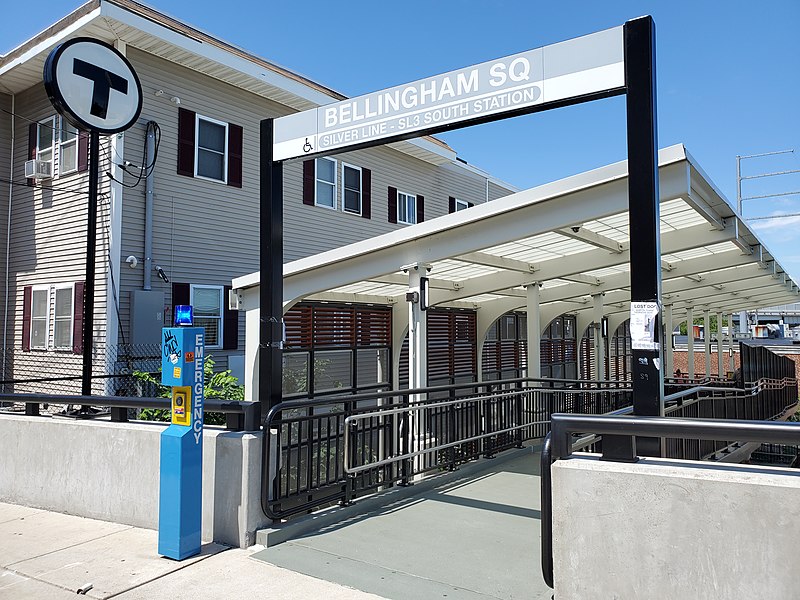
(181, 468)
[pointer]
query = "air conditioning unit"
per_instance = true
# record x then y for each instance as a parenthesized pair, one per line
(38, 169)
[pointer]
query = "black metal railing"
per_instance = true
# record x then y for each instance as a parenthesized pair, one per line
(687, 432)
(416, 431)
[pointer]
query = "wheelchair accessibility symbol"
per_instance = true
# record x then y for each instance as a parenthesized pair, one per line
(307, 147)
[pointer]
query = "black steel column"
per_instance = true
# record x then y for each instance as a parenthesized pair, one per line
(270, 348)
(643, 203)
(91, 252)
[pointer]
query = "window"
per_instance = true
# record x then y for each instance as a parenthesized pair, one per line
(461, 205)
(209, 149)
(406, 208)
(62, 332)
(325, 182)
(51, 310)
(46, 135)
(40, 310)
(351, 190)
(68, 149)
(212, 149)
(207, 302)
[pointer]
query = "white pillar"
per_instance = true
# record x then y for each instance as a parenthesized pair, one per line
(417, 332)
(690, 342)
(720, 347)
(668, 354)
(599, 340)
(707, 340)
(731, 346)
(534, 324)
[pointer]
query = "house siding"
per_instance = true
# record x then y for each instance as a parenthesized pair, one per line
(6, 120)
(207, 232)
(48, 236)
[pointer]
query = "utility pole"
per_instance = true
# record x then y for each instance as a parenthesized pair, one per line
(739, 199)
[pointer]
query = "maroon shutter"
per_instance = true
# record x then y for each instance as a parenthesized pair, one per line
(230, 327)
(186, 135)
(452, 204)
(77, 318)
(33, 139)
(366, 193)
(83, 151)
(235, 141)
(392, 205)
(27, 295)
(181, 294)
(309, 175)
(420, 208)
(470, 204)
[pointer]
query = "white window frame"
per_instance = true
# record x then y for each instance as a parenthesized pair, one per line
(360, 189)
(62, 144)
(402, 218)
(198, 118)
(318, 180)
(52, 126)
(71, 288)
(46, 289)
(461, 204)
(220, 330)
(50, 317)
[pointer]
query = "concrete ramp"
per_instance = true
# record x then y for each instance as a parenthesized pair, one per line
(474, 536)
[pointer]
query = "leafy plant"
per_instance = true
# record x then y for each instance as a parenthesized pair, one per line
(220, 385)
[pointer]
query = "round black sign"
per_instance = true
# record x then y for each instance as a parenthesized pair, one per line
(93, 86)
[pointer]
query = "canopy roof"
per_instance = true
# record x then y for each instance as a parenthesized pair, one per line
(572, 238)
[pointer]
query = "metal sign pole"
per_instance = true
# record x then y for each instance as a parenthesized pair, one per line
(643, 214)
(91, 251)
(270, 353)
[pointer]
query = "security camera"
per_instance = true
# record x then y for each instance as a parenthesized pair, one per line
(576, 228)
(161, 274)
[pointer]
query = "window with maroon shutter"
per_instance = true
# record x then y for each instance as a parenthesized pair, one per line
(33, 136)
(27, 294)
(451, 204)
(420, 208)
(235, 143)
(77, 319)
(309, 177)
(230, 327)
(366, 193)
(83, 151)
(186, 137)
(392, 205)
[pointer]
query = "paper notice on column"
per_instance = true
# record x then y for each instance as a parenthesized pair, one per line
(643, 325)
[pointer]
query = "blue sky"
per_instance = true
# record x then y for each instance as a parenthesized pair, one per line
(728, 77)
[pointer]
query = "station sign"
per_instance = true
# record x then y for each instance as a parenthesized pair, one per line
(579, 67)
(93, 86)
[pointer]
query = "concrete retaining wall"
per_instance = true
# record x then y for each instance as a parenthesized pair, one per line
(674, 529)
(109, 471)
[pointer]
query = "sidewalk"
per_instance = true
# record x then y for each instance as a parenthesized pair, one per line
(46, 555)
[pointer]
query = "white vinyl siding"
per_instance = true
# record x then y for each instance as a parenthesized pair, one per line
(406, 208)
(211, 149)
(207, 304)
(325, 182)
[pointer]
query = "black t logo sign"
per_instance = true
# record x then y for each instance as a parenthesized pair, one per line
(104, 81)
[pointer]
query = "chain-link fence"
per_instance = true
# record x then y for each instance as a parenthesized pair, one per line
(114, 372)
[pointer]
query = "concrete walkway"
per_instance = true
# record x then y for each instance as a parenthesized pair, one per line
(50, 556)
(475, 536)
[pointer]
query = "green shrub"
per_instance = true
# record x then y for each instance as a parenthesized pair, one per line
(221, 385)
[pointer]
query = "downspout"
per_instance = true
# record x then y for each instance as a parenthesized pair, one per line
(8, 226)
(150, 145)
